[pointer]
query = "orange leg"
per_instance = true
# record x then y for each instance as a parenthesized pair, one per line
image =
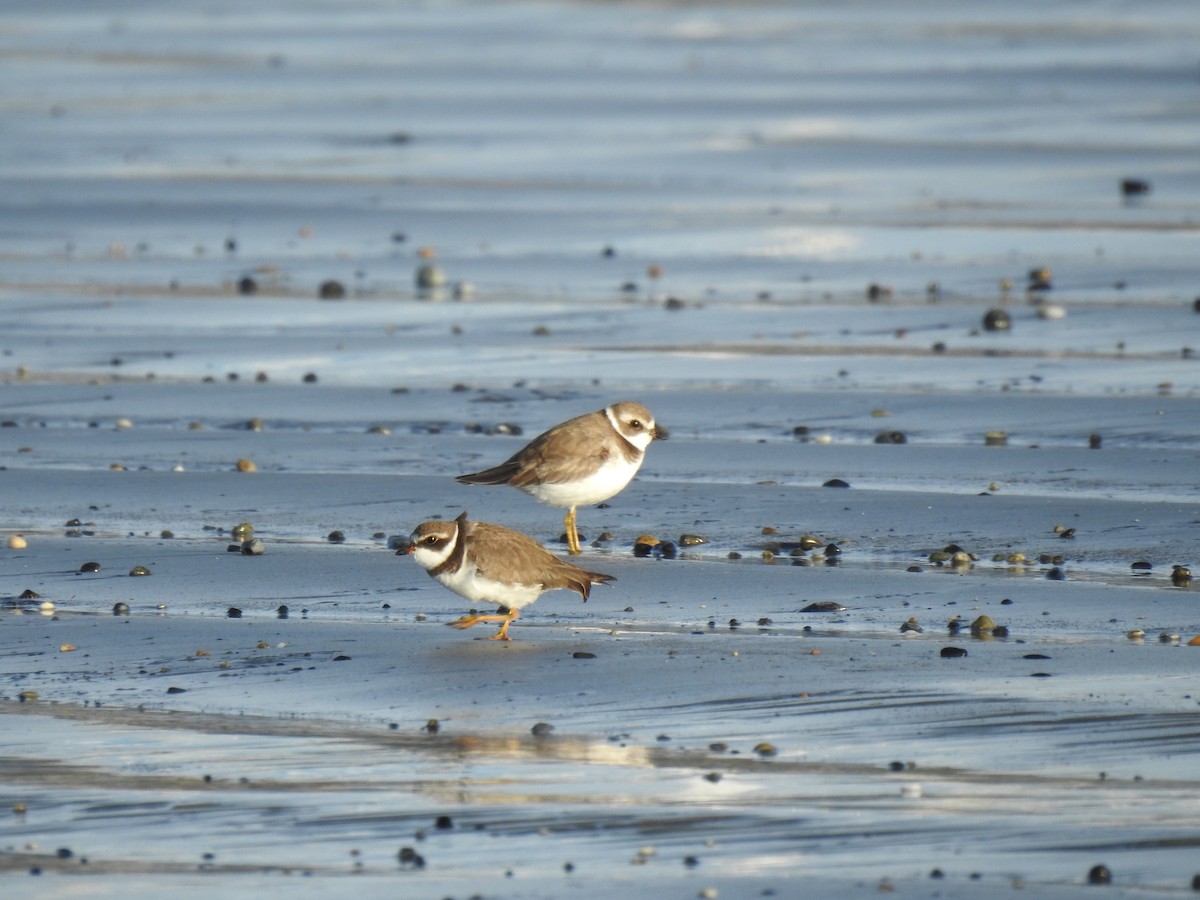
(572, 533)
(504, 618)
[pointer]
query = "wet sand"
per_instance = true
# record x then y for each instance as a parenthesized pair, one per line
(691, 730)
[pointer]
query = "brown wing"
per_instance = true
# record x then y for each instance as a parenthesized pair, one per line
(576, 447)
(516, 558)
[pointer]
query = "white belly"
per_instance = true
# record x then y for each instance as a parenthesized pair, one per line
(469, 584)
(607, 481)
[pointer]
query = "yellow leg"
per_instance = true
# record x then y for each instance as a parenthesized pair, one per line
(572, 534)
(504, 618)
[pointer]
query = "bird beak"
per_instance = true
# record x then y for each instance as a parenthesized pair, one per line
(660, 433)
(411, 548)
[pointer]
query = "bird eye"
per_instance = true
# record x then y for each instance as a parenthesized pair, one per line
(635, 423)
(432, 539)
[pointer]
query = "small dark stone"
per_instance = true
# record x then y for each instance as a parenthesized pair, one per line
(763, 622)
(331, 290)
(937, 873)
(1067, 534)
(824, 606)
(64, 853)
(997, 320)
(1142, 566)
(1196, 882)
(138, 571)
(310, 378)
(691, 861)
(583, 654)
(939, 347)
(802, 431)
(673, 303)
(952, 652)
(74, 523)
(282, 612)
(877, 292)
(443, 823)
(642, 550)
(432, 726)
(833, 550)
(120, 609)
(1035, 656)
(409, 857)
(1094, 441)
(714, 777)
(891, 437)
(341, 657)
(1099, 875)
(914, 569)
(176, 690)
(836, 483)
(1134, 187)
(336, 537)
(541, 729)
(666, 550)
(896, 766)
(247, 285)
(1056, 574)
(233, 613)
(28, 594)
(253, 547)
(90, 567)
(1181, 576)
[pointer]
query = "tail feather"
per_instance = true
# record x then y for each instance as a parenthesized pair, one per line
(496, 475)
(584, 588)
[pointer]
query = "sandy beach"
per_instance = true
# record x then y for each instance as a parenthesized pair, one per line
(942, 255)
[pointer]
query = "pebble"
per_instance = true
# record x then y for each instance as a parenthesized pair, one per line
(1099, 874)
(952, 652)
(692, 540)
(246, 465)
(429, 276)
(983, 625)
(331, 290)
(995, 438)
(1056, 574)
(233, 613)
(138, 571)
(541, 729)
(16, 542)
(766, 749)
(1134, 187)
(336, 537)
(253, 547)
(1181, 575)
(1141, 566)
(120, 609)
(824, 606)
(836, 483)
(90, 567)
(891, 437)
(911, 626)
(997, 320)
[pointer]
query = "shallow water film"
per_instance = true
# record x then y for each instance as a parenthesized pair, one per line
(904, 604)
